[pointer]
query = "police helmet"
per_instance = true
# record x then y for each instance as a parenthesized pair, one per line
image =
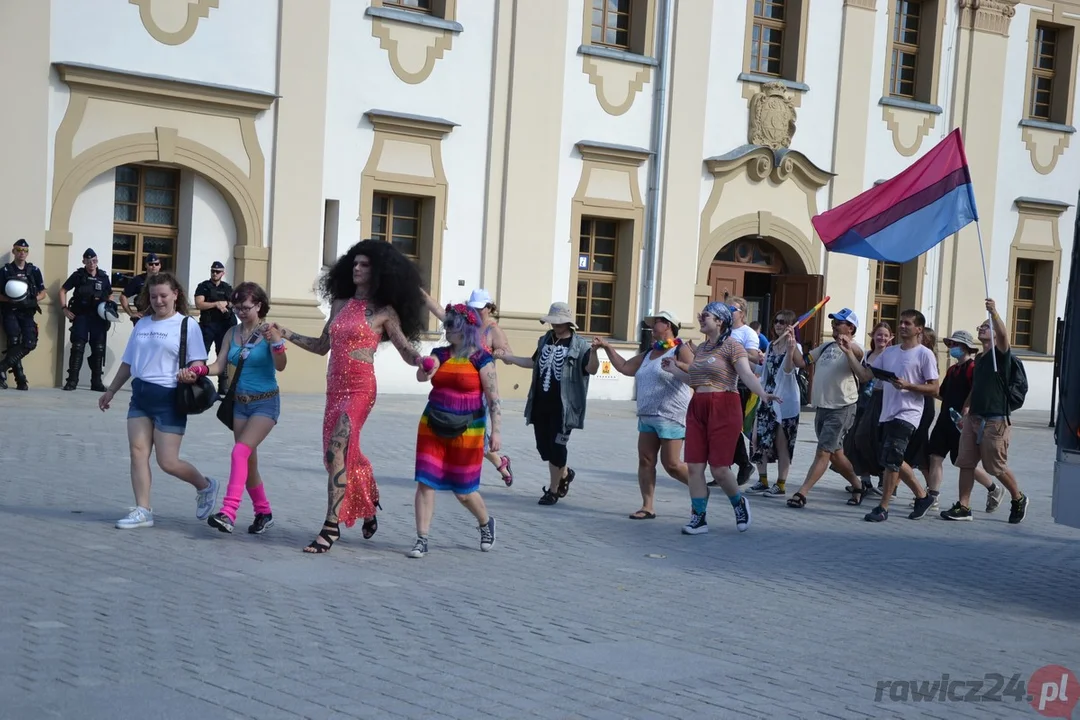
(16, 290)
(108, 311)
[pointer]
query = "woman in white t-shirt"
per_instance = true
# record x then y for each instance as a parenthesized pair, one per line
(151, 359)
(777, 425)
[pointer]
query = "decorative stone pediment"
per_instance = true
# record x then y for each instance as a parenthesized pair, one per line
(765, 162)
(990, 16)
(772, 117)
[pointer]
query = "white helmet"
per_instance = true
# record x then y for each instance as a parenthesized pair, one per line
(108, 311)
(16, 290)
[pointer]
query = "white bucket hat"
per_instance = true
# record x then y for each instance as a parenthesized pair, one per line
(559, 314)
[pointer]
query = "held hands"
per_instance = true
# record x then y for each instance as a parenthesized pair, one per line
(187, 376)
(272, 333)
(598, 343)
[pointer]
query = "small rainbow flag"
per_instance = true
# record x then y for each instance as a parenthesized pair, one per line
(805, 317)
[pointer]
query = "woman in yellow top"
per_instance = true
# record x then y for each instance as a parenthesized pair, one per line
(714, 419)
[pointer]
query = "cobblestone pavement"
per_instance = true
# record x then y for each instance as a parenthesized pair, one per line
(578, 612)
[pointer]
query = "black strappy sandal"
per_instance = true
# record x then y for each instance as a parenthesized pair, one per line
(798, 500)
(856, 496)
(564, 484)
(330, 534)
(370, 527)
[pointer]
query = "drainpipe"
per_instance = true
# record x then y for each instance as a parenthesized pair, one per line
(657, 144)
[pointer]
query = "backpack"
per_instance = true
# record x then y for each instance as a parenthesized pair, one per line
(803, 381)
(1015, 383)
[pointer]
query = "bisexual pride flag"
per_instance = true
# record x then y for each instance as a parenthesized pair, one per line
(904, 217)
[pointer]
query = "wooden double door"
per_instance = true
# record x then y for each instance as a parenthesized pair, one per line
(768, 289)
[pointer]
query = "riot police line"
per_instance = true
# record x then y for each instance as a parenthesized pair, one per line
(86, 302)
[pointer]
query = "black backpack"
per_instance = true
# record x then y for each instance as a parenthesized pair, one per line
(1015, 383)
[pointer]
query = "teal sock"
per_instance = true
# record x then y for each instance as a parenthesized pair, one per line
(735, 499)
(699, 505)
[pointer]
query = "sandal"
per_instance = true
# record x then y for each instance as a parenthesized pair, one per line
(549, 498)
(797, 500)
(370, 527)
(330, 534)
(856, 496)
(508, 478)
(564, 484)
(643, 515)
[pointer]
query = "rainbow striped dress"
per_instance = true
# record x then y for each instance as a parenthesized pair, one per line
(454, 463)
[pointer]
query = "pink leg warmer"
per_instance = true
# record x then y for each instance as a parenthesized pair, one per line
(237, 480)
(258, 499)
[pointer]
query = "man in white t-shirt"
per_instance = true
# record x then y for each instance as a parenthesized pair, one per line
(910, 373)
(748, 338)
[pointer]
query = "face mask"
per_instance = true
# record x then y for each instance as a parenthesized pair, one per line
(958, 353)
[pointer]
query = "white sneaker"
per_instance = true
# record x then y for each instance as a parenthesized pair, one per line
(139, 517)
(205, 500)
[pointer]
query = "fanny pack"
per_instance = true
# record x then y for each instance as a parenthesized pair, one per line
(450, 425)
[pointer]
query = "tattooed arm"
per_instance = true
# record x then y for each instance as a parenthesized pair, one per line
(491, 390)
(318, 345)
(392, 329)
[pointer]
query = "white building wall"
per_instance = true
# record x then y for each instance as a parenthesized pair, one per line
(236, 45)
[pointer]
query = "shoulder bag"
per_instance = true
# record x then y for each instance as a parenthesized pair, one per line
(197, 397)
(228, 403)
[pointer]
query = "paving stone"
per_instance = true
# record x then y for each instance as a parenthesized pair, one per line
(578, 612)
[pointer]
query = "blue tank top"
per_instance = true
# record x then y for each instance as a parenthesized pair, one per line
(259, 374)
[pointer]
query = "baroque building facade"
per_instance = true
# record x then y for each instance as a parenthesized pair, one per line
(622, 155)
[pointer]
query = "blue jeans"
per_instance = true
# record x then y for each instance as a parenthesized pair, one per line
(157, 403)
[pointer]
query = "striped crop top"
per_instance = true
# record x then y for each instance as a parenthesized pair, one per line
(715, 367)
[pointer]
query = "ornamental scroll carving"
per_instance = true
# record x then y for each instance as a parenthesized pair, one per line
(772, 117)
(991, 16)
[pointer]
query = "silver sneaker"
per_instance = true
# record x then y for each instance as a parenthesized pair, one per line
(139, 517)
(419, 548)
(994, 498)
(205, 500)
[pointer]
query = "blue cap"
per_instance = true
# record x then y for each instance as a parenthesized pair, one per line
(89, 254)
(20, 243)
(846, 315)
(151, 258)
(216, 265)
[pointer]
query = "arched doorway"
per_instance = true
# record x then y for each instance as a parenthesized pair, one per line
(755, 268)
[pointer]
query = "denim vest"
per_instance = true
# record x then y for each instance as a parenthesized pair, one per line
(574, 386)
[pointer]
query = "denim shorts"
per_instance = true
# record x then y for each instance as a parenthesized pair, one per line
(661, 427)
(267, 407)
(895, 436)
(157, 403)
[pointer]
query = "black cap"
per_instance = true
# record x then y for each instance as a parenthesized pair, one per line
(217, 266)
(21, 243)
(151, 258)
(89, 254)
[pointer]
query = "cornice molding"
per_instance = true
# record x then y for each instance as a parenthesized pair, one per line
(988, 16)
(412, 125)
(608, 153)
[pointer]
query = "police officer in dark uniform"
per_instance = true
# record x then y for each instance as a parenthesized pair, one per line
(18, 313)
(213, 299)
(89, 286)
(129, 299)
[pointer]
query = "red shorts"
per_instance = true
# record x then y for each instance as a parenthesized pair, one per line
(713, 426)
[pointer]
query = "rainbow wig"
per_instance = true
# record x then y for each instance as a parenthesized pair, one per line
(464, 321)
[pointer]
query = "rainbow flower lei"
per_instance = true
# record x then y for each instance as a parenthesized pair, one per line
(666, 344)
(462, 309)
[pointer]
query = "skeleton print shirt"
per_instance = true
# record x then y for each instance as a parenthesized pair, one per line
(550, 361)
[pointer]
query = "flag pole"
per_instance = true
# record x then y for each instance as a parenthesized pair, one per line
(986, 284)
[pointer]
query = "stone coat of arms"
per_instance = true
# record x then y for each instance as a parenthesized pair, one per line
(772, 117)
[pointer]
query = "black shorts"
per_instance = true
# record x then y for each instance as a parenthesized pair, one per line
(895, 436)
(945, 438)
(550, 438)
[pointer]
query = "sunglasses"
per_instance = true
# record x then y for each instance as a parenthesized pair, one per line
(778, 321)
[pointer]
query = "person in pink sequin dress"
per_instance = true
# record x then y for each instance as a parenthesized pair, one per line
(375, 294)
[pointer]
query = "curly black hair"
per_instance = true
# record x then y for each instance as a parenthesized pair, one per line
(395, 283)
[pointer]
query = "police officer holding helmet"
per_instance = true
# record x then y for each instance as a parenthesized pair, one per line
(213, 299)
(129, 299)
(22, 288)
(90, 287)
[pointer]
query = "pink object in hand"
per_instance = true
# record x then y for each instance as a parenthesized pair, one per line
(428, 364)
